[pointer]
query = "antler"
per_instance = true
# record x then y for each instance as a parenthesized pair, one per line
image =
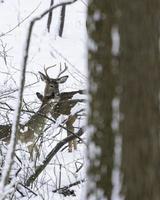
(46, 69)
(61, 72)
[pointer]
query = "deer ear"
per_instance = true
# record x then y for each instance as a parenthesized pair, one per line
(40, 96)
(42, 76)
(62, 79)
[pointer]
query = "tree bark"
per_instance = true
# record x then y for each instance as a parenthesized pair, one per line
(102, 83)
(137, 75)
(140, 79)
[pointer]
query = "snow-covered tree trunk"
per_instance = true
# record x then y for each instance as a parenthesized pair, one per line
(133, 74)
(102, 91)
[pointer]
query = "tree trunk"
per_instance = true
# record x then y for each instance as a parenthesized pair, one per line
(137, 74)
(50, 17)
(140, 78)
(62, 19)
(102, 90)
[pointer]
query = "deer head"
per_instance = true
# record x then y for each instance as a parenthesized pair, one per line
(52, 85)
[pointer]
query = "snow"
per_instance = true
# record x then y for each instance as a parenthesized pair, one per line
(116, 174)
(115, 40)
(46, 49)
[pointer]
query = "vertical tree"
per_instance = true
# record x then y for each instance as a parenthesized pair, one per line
(62, 19)
(102, 90)
(50, 16)
(140, 77)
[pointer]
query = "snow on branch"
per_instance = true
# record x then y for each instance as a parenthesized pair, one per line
(51, 154)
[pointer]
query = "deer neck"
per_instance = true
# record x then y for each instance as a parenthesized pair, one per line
(35, 126)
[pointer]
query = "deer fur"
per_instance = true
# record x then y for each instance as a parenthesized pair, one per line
(63, 106)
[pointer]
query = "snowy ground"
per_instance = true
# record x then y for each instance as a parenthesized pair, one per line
(46, 49)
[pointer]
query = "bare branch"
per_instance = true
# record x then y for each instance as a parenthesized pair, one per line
(3, 34)
(60, 190)
(52, 153)
(10, 153)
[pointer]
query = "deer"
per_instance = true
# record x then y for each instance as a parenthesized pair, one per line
(51, 90)
(52, 102)
(63, 106)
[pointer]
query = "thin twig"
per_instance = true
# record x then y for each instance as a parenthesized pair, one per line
(3, 34)
(28, 189)
(70, 185)
(60, 173)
